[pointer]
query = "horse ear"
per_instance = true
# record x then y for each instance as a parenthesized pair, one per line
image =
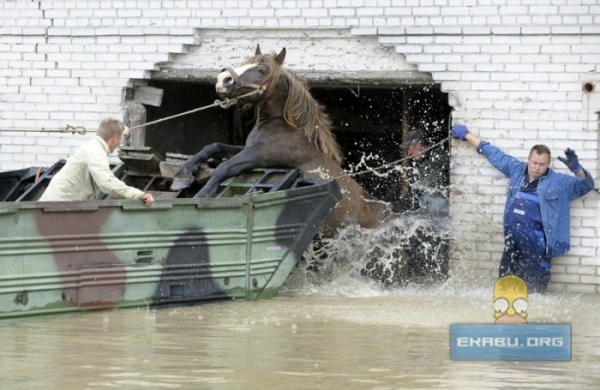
(280, 57)
(257, 52)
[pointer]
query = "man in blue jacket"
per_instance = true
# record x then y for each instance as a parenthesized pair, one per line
(537, 212)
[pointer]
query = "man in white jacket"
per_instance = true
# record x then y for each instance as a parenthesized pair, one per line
(87, 173)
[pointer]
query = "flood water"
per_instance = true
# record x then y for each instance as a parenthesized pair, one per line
(343, 335)
(328, 328)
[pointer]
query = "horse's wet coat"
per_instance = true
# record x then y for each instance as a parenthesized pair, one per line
(292, 130)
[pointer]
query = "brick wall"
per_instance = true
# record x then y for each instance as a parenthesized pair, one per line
(513, 70)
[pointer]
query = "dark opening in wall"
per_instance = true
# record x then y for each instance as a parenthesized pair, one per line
(369, 123)
(189, 133)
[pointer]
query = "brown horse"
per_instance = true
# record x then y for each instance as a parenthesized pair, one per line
(291, 130)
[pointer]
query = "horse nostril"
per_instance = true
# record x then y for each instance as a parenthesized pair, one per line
(228, 80)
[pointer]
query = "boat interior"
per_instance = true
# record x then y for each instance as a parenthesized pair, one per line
(146, 170)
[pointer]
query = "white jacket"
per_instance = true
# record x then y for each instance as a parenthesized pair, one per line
(86, 174)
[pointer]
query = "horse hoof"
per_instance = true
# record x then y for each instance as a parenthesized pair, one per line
(180, 184)
(201, 194)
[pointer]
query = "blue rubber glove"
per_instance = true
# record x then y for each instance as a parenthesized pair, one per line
(572, 162)
(459, 131)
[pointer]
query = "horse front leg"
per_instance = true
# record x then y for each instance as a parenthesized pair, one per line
(246, 160)
(183, 178)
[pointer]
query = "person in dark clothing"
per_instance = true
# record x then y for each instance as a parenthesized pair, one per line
(429, 177)
(428, 197)
(537, 211)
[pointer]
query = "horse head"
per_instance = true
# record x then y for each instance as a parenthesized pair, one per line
(256, 73)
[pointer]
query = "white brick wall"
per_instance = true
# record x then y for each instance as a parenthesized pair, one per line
(513, 71)
(516, 86)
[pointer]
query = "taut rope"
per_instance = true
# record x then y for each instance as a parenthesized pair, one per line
(220, 103)
(82, 130)
(390, 164)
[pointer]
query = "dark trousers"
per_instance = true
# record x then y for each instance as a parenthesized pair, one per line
(526, 258)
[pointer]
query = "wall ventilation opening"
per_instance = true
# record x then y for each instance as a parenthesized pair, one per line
(588, 87)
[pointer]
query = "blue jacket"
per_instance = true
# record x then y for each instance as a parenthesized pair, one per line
(555, 192)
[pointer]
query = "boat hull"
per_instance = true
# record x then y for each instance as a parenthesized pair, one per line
(60, 257)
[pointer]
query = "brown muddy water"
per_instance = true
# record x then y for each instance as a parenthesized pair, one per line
(345, 334)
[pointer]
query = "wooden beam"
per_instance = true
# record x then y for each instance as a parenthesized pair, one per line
(148, 95)
(134, 114)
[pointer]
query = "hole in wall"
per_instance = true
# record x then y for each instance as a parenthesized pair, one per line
(367, 120)
(588, 87)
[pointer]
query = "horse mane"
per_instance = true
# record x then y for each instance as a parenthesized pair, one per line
(301, 110)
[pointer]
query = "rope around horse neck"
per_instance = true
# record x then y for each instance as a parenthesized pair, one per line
(390, 164)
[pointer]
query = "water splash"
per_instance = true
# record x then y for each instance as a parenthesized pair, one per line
(411, 248)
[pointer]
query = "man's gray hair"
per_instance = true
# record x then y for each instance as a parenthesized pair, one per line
(110, 127)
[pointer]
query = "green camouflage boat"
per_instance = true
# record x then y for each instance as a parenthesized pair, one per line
(60, 257)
